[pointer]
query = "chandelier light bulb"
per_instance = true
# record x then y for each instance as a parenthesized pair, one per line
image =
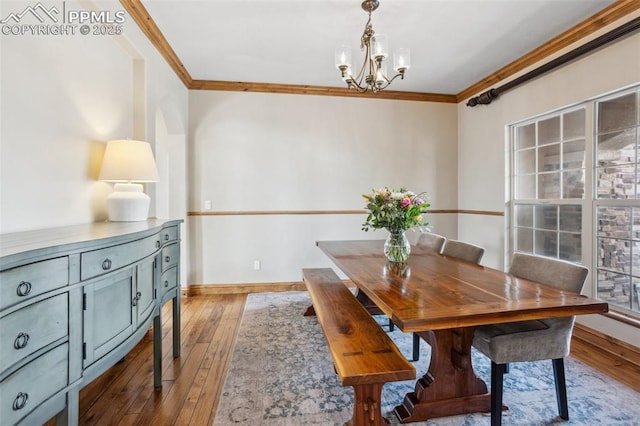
(379, 47)
(381, 75)
(343, 57)
(401, 59)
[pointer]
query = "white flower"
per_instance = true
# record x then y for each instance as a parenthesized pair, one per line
(397, 195)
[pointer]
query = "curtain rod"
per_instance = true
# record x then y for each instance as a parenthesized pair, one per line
(485, 98)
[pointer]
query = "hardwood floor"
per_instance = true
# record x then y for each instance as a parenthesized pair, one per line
(191, 386)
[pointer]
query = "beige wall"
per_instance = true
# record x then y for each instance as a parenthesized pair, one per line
(63, 97)
(253, 151)
(482, 180)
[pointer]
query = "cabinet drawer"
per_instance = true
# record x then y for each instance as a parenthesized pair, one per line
(25, 282)
(33, 327)
(169, 234)
(169, 279)
(170, 256)
(98, 262)
(33, 384)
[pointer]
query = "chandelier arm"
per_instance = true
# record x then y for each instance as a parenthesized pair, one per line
(401, 75)
(363, 69)
(388, 82)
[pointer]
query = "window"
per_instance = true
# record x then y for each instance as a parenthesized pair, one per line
(617, 204)
(576, 183)
(549, 185)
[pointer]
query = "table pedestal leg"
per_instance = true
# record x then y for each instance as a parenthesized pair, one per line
(450, 386)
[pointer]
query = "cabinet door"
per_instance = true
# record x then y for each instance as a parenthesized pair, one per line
(108, 314)
(145, 285)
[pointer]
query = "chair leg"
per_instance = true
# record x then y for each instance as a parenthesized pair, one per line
(561, 388)
(392, 326)
(497, 373)
(416, 347)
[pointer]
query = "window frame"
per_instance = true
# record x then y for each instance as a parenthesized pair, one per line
(590, 203)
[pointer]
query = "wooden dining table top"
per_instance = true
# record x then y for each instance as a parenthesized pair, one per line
(433, 291)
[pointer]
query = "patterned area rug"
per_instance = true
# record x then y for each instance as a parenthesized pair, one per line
(281, 374)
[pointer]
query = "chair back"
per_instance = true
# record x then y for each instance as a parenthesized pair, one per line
(431, 241)
(557, 273)
(463, 251)
(560, 274)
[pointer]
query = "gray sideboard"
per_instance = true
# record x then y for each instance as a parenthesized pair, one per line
(74, 301)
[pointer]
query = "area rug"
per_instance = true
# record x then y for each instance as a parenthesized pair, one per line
(281, 374)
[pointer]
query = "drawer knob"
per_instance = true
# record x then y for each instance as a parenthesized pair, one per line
(20, 401)
(166, 283)
(158, 244)
(24, 288)
(21, 341)
(106, 264)
(166, 237)
(167, 259)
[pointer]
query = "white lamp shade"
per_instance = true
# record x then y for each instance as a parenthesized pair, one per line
(128, 161)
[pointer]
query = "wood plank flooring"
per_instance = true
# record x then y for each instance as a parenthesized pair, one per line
(191, 386)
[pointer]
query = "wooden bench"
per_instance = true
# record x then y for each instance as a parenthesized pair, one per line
(363, 354)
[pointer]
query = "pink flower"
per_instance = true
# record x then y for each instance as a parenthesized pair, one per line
(405, 202)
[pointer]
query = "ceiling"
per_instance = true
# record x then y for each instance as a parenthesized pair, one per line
(454, 43)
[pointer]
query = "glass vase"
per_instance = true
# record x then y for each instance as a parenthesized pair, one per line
(397, 247)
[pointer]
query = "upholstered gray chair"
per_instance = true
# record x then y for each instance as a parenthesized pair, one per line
(532, 340)
(431, 241)
(464, 251)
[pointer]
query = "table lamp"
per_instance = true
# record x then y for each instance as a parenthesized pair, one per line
(128, 163)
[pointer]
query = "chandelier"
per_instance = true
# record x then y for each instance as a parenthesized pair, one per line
(373, 73)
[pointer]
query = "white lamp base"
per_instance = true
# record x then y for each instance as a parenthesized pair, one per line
(128, 203)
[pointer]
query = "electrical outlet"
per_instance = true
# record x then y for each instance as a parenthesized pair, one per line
(207, 204)
(256, 265)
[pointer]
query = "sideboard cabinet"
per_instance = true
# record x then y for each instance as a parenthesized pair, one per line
(74, 301)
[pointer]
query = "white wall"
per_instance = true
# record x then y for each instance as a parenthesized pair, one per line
(482, 148)
(266, 152)
(63, 97)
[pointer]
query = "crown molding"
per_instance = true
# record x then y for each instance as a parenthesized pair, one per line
(296, 89)
(614, 12)
(141, 16)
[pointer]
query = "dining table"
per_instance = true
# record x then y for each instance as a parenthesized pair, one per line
(443, 299)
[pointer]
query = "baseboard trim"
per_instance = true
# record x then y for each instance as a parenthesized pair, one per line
(246, 288)
(615, 358)
(211, 289)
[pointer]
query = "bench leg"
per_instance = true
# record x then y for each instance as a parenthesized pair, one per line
(367, 407)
